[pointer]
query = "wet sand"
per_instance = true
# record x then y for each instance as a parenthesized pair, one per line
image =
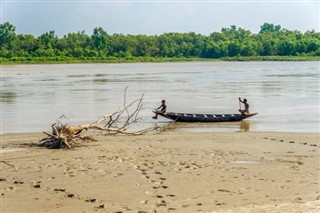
(173, 171)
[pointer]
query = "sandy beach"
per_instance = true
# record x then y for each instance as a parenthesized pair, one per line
(172, 171)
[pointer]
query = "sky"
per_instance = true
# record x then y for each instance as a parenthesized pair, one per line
(155, 17)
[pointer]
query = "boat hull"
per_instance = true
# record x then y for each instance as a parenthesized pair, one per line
(189, 117)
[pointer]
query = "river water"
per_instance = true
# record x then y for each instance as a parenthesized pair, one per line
(285, 94)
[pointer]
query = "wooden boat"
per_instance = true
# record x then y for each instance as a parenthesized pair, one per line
(189, 117)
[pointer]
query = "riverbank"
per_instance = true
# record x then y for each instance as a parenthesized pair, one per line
(110, 60)
(172, 171)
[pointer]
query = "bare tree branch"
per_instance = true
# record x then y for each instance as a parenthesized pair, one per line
(64, 136)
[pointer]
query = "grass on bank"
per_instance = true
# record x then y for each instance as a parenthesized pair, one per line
(70, 60)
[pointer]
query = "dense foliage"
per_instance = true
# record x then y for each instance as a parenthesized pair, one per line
(272, 40)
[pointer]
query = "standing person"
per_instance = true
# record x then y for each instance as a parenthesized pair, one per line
(246, 109)
(161, 109)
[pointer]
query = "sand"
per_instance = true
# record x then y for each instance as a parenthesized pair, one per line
(173, 171)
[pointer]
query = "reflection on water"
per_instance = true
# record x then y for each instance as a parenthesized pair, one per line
(243, 126)
(8, 97)
(285, 94)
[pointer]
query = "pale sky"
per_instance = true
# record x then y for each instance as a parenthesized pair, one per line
(155, 17)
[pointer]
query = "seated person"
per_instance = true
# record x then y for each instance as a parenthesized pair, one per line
(161, 109)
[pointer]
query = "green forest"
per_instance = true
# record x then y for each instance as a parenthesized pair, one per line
(271, 43)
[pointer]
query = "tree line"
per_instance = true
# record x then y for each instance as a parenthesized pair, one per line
(272, 40)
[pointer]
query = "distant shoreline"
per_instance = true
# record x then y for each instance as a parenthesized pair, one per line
(112, 60)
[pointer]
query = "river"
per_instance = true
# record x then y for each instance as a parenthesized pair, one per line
(285, 94)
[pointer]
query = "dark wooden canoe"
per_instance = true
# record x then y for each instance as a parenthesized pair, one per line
(189, 117)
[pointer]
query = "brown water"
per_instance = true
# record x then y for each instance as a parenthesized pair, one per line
(285, 94)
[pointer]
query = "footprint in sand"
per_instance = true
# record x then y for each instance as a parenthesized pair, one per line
(10, 188)
(220, 204)
(91, 200)
(161, 203)
(59, 190)
(37, 186)
(172, 209)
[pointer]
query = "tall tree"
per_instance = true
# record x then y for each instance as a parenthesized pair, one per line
(269, 28)
(48, 40)
(99, 39)
(7, 33)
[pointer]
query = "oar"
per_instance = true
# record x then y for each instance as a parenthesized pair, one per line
(239, 104)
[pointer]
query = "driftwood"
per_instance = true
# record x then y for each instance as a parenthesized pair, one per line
(64, 136)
